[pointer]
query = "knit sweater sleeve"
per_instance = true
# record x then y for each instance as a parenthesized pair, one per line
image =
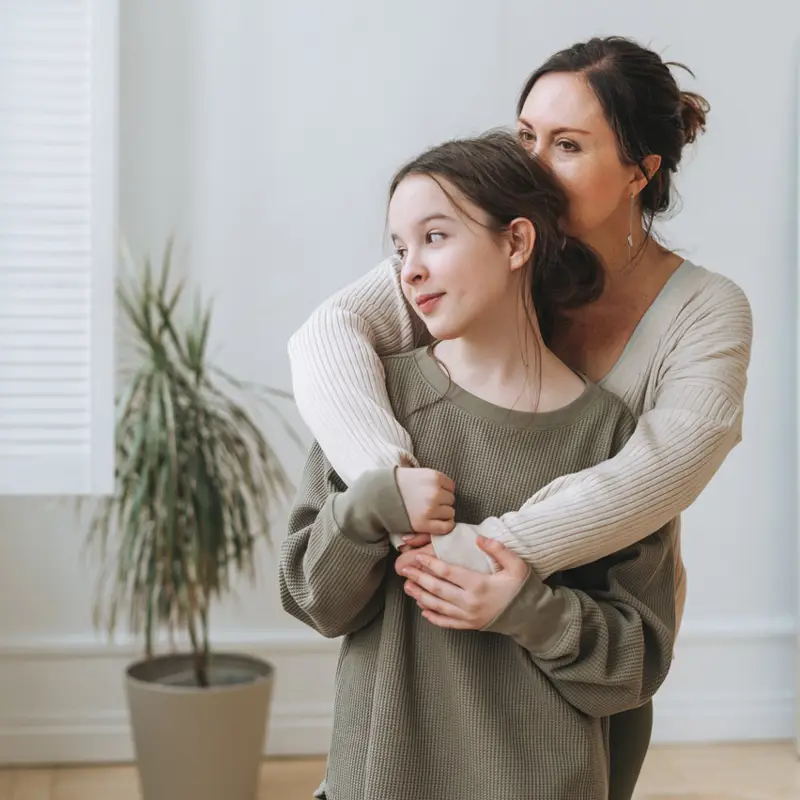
(333, 561)
(338, 378)
(676, 449)
(604, 633)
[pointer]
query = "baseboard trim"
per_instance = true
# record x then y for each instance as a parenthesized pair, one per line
(105, 737)
(68, 704)
(86, 646)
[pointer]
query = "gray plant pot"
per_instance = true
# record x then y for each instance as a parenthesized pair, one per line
(196, 743)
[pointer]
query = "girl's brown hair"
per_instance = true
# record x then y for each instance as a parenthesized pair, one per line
(496, 174)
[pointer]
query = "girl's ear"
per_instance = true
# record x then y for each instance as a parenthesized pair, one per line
(521, 239)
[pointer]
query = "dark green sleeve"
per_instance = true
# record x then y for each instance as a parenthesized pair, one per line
(603, 633)
(334, 558)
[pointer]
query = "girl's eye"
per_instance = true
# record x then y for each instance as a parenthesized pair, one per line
(400, 253)
(435, 236)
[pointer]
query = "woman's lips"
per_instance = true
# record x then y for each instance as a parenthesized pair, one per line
(427, 302)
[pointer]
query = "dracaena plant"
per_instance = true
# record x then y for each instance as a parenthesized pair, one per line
(197, 481)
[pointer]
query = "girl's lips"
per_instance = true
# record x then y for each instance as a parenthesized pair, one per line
(427, 302)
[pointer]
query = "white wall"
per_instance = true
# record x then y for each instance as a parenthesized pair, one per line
(266, 134)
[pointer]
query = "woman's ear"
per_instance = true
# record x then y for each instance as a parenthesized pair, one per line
(521, 239)
(652, 164)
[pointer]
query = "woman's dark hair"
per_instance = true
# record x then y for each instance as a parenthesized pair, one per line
(496, 174)
(642, 102)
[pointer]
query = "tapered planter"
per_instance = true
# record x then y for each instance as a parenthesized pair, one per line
(195, 743)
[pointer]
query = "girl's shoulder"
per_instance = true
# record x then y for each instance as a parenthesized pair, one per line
(405, 383)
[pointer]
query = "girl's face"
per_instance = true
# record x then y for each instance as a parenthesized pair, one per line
(563, 123)
(456, 273)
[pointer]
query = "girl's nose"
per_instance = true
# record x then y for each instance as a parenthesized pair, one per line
(413, 271)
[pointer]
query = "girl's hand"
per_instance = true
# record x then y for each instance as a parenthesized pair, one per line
(408, 557)
(454, 597)
(415, 540)
(429, 499)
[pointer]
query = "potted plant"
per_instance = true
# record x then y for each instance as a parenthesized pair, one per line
(197, 484)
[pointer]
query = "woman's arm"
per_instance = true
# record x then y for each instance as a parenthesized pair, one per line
(674, 451)
(334, 559)
(337, 375)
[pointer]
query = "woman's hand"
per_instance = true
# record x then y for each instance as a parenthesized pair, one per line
(454, 597)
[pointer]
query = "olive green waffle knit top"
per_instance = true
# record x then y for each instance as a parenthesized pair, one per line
(513, 712)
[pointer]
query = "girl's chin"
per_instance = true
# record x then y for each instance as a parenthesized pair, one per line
(444, 333)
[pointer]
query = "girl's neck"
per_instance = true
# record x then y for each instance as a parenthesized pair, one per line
(505, 362)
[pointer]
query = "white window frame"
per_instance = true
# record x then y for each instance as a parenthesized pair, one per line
(94, 475)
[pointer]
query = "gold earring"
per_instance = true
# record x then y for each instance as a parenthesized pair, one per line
(630, 228)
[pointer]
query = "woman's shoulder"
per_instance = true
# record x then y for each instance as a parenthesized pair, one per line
(701, 289)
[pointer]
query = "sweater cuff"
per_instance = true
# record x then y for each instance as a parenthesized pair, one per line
(371, 508)
(537, 618)
(460, 547)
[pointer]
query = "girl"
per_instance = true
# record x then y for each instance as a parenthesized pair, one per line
(670, 338)
(515, 710)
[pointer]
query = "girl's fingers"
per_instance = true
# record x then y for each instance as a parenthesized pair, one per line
(416, 540)
(446, 498)
(446, 622)
(450, 573)
(435, 586)
(445, 513)
(429, 602)
(447, 484)
(440, 527)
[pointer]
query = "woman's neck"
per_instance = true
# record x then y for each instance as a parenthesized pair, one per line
(629, 268)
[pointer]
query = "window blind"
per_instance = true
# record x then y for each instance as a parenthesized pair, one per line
(58, 197)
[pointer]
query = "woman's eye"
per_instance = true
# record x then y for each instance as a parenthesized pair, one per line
(567, 145)
(525, 135)
(435, 236)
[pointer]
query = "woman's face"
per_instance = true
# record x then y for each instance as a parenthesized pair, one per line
(456, 272)
(563, 123)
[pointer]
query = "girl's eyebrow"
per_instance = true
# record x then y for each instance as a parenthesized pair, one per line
(425, 220)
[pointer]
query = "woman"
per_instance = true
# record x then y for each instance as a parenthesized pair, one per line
(668, 337)
(518, 710)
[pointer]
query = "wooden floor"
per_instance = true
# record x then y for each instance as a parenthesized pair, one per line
(740, 772)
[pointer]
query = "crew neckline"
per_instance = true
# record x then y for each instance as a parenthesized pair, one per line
(436, 378)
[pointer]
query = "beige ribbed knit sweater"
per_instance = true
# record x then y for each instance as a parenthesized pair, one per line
(516, 711)
(683, 374)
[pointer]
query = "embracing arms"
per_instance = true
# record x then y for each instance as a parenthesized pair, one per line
(677, 446)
